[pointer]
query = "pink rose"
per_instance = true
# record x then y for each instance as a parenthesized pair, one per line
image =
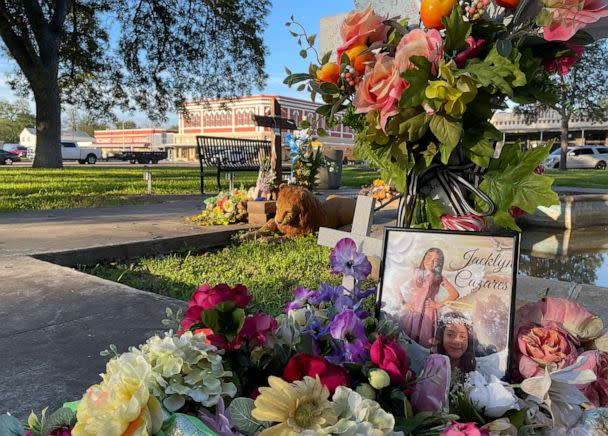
(568, 16)
(597, 391)
(364, 27)
(561, 65)
(464, 429)
(419, 42)
(380, 89)
(255, 329)
(474, 48)
(544, 346)
(388, 355)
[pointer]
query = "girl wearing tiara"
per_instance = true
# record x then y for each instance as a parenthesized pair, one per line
(456, 339)
(419, 313)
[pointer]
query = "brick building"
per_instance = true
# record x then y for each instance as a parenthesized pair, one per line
(234, 119)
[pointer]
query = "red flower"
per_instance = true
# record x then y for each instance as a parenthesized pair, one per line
(255, 329)
(206, 298)
(330, 374)
(562, 64)
(388, 355)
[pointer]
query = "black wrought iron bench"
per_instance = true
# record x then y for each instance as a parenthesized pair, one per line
(229, 155)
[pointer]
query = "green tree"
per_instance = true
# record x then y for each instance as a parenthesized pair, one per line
(84, 122)
(161, 53)
(14, 117)
(581, 93)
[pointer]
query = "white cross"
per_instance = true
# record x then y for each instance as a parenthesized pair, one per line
(361, 228)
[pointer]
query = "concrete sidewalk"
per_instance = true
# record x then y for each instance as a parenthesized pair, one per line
(54, 321)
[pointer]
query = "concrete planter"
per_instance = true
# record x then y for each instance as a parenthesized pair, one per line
(331, 180)
(574, 211)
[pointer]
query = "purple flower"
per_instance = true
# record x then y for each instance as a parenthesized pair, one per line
(347, 327)
(345, 260)
(328, 293)
(301, 296)
(220, 422)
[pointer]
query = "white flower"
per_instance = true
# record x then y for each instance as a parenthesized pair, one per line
(489, 395)
(559, 392)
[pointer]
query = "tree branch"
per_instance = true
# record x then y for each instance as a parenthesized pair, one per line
(17, 46)
(61, 11)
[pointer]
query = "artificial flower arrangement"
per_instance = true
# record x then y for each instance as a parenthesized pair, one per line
(307, 156)
(420, 99)
(223, 209)
(379, 190)
(327, 366)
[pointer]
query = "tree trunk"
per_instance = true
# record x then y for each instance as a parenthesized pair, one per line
(564, 142)
(48, 126)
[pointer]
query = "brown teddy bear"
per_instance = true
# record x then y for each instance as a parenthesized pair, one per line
(299, 212)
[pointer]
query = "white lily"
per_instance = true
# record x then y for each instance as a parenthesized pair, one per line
(559, 392)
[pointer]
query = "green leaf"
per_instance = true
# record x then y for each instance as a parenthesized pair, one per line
(326, 58)
(412, 128)
(445, 151)
(322, 132)
(303, 54)
(434, 211)
(329, 88)
(301, 87)
(61, 418)
(10, 426)
(456, 30)
(296, 78)
(304, 124)
(311, 40)
(417, 79)
(511, 181)
(478, 143)
(429, 154)
(240, 411)
(498, 72)
(446, 130)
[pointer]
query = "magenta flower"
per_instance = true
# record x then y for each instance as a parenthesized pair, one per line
(348, 327)
(346, 260)
(464, 429)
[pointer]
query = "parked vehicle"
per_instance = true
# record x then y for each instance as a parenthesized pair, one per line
(142, 157)
(8, 158)
(84, 155)
(586, 156)
(17, 149)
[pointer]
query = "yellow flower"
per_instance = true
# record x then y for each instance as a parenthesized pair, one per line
(121, 404)
(379, 182)
(298, 406)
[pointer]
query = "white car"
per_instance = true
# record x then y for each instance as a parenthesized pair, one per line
(84, 155)
(586, 156)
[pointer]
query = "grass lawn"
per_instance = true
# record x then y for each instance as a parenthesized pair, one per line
(580, 178)
(95, 186)
(271, 271)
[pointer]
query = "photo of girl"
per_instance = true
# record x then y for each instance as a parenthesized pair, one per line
(456, 339)
(417, 292)
(451, 294)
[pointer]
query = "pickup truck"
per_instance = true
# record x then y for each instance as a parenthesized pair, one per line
(84, 155)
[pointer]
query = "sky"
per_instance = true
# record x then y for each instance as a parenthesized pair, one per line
(282, 47)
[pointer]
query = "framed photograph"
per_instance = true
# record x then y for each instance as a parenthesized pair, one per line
(452, 293)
